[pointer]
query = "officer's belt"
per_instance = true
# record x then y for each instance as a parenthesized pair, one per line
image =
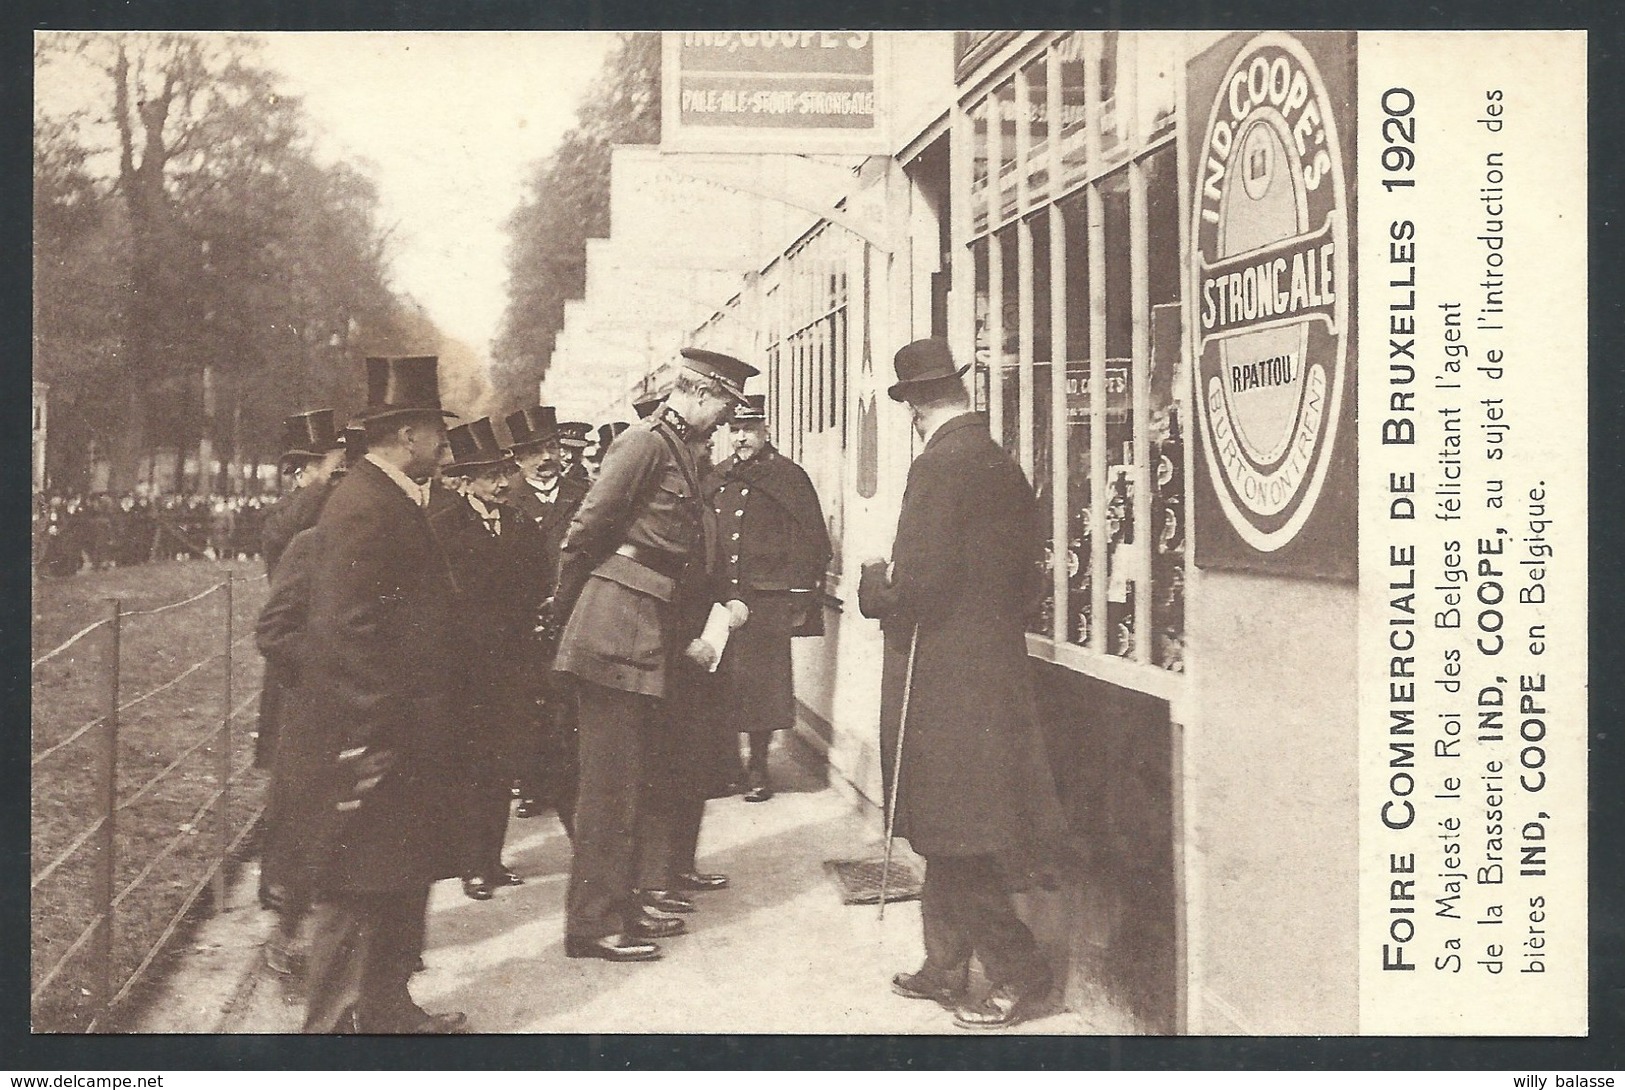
(670, 565)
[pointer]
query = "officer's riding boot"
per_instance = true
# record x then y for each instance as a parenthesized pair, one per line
(756, 770)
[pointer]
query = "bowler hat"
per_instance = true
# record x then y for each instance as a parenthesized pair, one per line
(730, 373)
(397, 385)
(532, 427)
(646, 408)
(921, 362)
(474, 446)
(753, 411)
(607, 434)
(573, 433)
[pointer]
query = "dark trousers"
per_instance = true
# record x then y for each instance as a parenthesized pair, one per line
(965, 908)
(488, 831)
(614, 730)
(760, 741)
(364, 947)
(668, 835)
(550, 768)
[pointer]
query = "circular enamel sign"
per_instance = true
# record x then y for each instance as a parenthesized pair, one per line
(1270, 280)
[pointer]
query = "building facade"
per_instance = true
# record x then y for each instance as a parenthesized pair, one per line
(1037, 210)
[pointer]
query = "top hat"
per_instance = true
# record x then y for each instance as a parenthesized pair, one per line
(532, 427)
(310, 434)
(753, 411)
(573, 433)
(355, 442)
(397, 385)
(474, 446)
(921, 362)
(647, 406)
(729, 373)
(607, 434)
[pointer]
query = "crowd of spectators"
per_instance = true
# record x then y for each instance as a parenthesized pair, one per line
(75, 532)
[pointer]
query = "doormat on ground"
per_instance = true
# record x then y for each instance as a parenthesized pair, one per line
(859, 880)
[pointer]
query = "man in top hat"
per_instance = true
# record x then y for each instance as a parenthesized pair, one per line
(573, 444)
(491, 550)
(634, 551)
(379, 648)
(540, 492)
(975, 788)
(314, 452)
(774, 548)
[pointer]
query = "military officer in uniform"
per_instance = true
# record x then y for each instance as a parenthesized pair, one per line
(379, 641)
(773, 549)
(638, 535)
(491, 550)
(541, 493)
(573, 444)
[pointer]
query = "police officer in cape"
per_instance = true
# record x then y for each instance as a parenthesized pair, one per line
(967, 778)
(377, 670)
(637, 538)
(773, 548)
(540, 492)
(492, 553)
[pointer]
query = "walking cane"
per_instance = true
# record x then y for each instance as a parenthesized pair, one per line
(897, 765)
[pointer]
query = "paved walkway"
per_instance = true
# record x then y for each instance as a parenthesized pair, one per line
(776, 953)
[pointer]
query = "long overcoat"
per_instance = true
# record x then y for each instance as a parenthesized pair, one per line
(975, 778)
(293, 806)
(773, 548)
(291, 516)
(381, 658)
(499, 591)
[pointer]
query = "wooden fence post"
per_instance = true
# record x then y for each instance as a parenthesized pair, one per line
(107, 797)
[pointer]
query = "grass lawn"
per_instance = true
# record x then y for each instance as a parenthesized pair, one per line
(67, 693)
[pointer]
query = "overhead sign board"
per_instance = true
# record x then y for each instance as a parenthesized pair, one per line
(785, 91)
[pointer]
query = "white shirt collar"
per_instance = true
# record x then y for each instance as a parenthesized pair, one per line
(489, 514)
(545, 489)
(417, 493)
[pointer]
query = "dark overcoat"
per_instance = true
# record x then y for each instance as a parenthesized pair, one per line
(380, 662)
(773, 548)
(293, 808)
(498, 593)
(287, 519)
(975, 778)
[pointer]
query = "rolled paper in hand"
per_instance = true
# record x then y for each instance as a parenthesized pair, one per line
(717, 627)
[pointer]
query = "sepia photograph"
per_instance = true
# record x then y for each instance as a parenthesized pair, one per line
(1067, 533)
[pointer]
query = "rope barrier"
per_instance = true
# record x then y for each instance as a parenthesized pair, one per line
(173, 605)
(71, 640)
(78, 944)
(53, 865)
(149, 694)
(193, 748)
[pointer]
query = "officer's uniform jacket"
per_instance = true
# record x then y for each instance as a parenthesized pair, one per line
(628, 547)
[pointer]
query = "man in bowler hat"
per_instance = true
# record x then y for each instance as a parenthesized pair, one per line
(637, 539)
(975, 785)
(379, 639)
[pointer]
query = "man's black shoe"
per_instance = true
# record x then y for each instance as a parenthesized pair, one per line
(945, 989)
(610, 948)
(646, 926)
(477, 889)
(506, 877)
(692, 880)
(665, 901)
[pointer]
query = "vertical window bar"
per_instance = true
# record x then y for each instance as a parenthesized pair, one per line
(962, 275)
(995, 271)
(1024, 281)
(1097, 416)
(1140, 377)
(1059, 485)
